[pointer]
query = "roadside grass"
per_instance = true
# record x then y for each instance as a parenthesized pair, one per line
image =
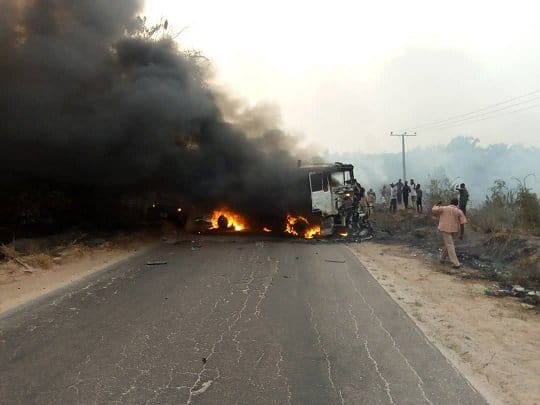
(501, 244)
(45, 253)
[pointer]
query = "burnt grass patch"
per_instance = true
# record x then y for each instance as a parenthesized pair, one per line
(511, 260)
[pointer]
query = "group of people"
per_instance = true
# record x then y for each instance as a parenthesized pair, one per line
(410, 194)
(452, 217)
(401, 192)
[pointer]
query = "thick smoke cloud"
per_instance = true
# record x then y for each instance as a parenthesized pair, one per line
(462, 160)
(88, 100)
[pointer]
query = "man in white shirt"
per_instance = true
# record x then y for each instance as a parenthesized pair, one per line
(393, 198)
(413, 193)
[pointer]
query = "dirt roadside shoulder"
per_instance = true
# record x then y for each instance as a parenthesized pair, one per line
(19, 286)
(494, 342)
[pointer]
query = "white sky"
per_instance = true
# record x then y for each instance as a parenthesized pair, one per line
(346, 73)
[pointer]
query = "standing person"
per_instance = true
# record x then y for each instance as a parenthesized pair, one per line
(363, 200)
(371, 198)
(463, 197)
(451, 221)
(356, 191)
(399, 186)
(419, 193)
(393, 198)
(413, 194)
(384, 194)
(406, 191)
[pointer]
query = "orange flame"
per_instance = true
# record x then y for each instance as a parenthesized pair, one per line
(312, 232)
(234, 221)
(265, 229)
(291, 227)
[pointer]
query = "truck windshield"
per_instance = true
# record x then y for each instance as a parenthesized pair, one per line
(338, 179)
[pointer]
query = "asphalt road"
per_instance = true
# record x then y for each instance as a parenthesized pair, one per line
(229, 322)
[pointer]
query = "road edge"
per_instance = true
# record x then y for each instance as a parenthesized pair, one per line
(76, 282)
(463, 368)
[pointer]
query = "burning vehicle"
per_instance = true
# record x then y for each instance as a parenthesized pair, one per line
(327, 203)
(335, 198)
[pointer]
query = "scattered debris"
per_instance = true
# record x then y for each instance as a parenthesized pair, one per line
(528, 296)
(518, 289)
(205, 385)
(527, 306)
(156, 263)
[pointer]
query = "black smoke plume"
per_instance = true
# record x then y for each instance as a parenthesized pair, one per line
(95, 107)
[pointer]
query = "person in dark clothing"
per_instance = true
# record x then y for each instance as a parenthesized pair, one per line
(399, 188)
(406, 190)
(463, 197)
(419, 193)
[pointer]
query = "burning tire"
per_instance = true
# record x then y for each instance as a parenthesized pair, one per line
(223, 223)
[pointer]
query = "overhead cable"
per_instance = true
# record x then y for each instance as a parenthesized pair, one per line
(482, 111)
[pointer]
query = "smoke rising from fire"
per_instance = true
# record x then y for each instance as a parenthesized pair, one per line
(88, 100)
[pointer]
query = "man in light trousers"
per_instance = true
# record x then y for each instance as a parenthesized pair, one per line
(451, 221)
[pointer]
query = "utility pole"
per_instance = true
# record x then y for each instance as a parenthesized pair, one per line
(403, 135)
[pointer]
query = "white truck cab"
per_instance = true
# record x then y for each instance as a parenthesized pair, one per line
(332, 194)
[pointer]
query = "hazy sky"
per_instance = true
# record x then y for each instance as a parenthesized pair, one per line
(346, 73)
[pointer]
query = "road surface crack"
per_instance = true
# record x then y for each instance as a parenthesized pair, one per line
(325, 353)
(287, 386)
(375, 364)
(263, 294)
(420, 383)
(194, 391)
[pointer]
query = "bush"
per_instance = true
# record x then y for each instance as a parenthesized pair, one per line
(439, 188)
(528, 216)
(509, 210)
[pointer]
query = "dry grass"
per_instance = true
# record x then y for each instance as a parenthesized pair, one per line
(527, 272)
(8, 252)
(13, 261)
(39, 261)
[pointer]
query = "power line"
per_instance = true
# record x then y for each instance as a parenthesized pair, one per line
(488, 118)
(460, 116)
(476, 116)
